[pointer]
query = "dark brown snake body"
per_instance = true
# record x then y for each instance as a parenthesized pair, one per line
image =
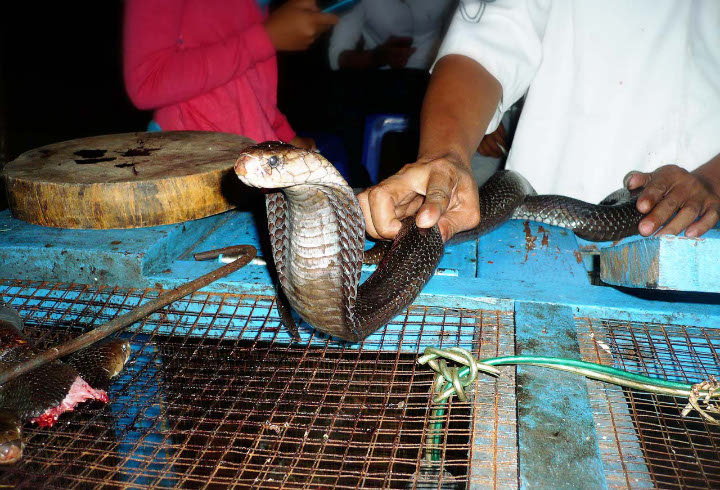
(317, 233)
(43, 394)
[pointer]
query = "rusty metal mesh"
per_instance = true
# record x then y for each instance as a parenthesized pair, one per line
(644, 441)
(215, 394)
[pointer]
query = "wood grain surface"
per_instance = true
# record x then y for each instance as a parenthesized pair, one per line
(126, 180)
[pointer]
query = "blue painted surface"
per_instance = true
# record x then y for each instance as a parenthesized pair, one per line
(117, 257)
(138, 386)
(519, 261)
(665, 262)
(532, 269)
(557, 441)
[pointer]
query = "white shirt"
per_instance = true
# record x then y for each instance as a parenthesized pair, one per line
(375, 21)
(611, 86)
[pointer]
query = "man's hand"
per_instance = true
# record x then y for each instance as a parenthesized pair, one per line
(440, 190)
(395, 51)
(693, 197)
(494, 144)
(297, 24)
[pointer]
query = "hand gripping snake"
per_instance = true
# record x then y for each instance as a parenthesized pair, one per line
(317, 234)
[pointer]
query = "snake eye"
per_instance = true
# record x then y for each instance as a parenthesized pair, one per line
(273, 161)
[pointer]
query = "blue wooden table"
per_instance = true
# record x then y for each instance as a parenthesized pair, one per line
(541, 273)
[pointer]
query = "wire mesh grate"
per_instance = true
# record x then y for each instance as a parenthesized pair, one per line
(644, 440)
(215, 394)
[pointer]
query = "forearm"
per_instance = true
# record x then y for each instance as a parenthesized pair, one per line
(460, 101)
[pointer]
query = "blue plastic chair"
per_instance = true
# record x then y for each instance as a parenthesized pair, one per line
(153, 127)
(376, 126)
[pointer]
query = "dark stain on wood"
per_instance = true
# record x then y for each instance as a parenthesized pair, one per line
(91, 161)
(90, 153)
(139, 152)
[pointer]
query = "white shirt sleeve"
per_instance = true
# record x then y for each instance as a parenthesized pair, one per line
(346, 33)
(505, 37)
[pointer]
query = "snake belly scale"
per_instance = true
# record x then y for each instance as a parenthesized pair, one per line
(317, 234)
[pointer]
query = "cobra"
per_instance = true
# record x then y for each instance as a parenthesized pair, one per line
(317, 234)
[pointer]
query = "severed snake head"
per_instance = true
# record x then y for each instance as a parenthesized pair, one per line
(274, 165)
(11, 444)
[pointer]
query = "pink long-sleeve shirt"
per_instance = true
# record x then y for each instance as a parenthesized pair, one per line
(203, 65)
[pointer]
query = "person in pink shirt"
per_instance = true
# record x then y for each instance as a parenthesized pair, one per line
(210, 65)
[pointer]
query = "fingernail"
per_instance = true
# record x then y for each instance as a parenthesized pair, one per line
(422, 219)
(690, 233)
(626, 179)
(643, 206)
(645, 228)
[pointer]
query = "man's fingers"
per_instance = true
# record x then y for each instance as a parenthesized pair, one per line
(447, 227)
(661, 212)
(706, 222)
(635, 179)
(499, 143)
(451, 223)
(382, 214)
(493, 149)
(686, 216)
(483, 148)
(400, 211)
(364, 205)
(412, 208)
(437, 199)
(489, 148)
(653, 193)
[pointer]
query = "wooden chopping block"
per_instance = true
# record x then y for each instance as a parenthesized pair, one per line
(126, 180)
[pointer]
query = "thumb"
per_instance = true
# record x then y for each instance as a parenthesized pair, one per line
(635, 179)
(437, 200)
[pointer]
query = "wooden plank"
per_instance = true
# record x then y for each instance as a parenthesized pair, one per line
(557, 441)
(666, 262)
(549, 276)
(125, 258)
(126, 180)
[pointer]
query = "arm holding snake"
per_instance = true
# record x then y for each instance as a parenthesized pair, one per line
(439, 187)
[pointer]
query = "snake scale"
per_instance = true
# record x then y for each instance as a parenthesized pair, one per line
(317, 234)
(43, 394)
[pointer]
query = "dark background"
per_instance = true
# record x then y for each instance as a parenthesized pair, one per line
(61, 77)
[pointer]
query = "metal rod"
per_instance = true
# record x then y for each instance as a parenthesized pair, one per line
(121, 322)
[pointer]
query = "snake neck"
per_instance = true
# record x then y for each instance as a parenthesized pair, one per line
(323, 253)
(313, 221)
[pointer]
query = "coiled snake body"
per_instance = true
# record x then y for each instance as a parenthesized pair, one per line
(317, 233)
